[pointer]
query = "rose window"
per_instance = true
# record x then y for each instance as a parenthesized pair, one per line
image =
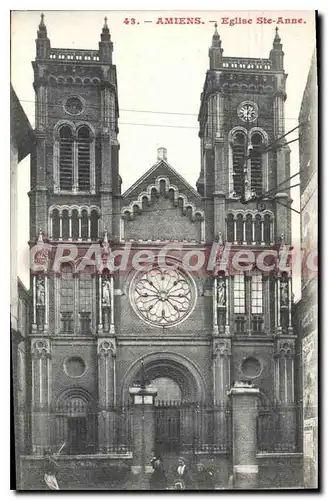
(163, 297)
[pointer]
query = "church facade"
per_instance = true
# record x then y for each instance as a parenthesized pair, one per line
(190, 330)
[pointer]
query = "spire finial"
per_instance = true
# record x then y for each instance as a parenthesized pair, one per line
(105, 35)
(216, 41)
(277, 38)
(42, 32)
(42, 26)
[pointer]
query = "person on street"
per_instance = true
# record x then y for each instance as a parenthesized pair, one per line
(158, 479)
(50, 470)
(183, 475)
(204, 478)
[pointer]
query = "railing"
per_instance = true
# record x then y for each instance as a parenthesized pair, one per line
(277, 429)
(256, 324)
(247, 63)
(192, 427)
(240, 324)
(77, 425)
(74, 55)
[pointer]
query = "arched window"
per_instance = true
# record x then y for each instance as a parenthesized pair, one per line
(94, 225)
(83, 158)
(66, 158)
(230, 228)
(240, 229)
(84, 225)
(75, 225)
(258, 236)
(65, 225)
(238, 154)
(74, 158)
(256, 163)
(55, 225)
(249, 229)
(67, 302)
(267, 229)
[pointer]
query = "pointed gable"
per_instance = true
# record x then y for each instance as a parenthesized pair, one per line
(162, 206)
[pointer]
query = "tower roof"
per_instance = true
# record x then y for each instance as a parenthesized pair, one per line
(42, 31)
(277, 45)
(216, 41)
(105, 34)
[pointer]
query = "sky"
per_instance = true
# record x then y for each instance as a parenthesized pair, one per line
(160, 71)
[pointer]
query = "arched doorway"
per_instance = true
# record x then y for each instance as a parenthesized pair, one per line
(180, 389)
(180, 370)
(167, 416)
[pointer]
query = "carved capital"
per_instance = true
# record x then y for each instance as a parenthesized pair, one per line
(222, 347)
(285, 348)
(106, 347)
(40, 348)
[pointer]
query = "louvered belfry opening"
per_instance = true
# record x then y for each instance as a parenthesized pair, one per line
(83, 155)
(238, 157)
(66, 158)
(256, 167)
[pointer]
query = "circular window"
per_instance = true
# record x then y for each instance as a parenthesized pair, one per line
(163, 297)
(74, 106)
(251, 367)
(75, 367)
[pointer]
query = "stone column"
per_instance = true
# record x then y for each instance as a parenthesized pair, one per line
(41, 422)
(220, 188)
(34, 325)
(215, 302)
(46, 303)
(221, 386)
(248, 312)
(143, 432)
(100, 317)
(106, 351)
(286, 424)
(278, 311)
(112, 319)
(244, 398)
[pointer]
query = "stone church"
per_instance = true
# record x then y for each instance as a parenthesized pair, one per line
(191, 334)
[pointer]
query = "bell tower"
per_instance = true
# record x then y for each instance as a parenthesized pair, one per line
(75, 192)
(241, 116)
(244, 182)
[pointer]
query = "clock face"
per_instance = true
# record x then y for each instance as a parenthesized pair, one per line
(74, 106)
(247, 111)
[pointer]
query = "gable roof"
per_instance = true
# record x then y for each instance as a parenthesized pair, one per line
(163, 167)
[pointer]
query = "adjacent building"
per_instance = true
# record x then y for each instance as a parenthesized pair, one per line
(307, 308)
(20, 148)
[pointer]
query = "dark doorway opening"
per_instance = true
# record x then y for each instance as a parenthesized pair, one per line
(77, 435)
(167, 429)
